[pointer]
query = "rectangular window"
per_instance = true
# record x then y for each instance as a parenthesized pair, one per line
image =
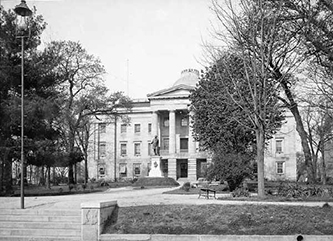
(278, 146)
(184, 143)
(149, 127)
(102, 127)
(149, 148)
(102, 149)
(136, 169)
(101, 171)
(280, 167)
(184, 121)
(137, 128)
(123, 149)
(137, 150)
(166, 121)
(122, 170)
(165, 143)
(123, 128)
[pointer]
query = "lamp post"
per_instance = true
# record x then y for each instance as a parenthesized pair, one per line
(23, 12)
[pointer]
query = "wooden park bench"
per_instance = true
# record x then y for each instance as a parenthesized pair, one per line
(206, 191)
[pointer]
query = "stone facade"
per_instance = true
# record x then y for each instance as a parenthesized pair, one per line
(127, 153)
(281, 152)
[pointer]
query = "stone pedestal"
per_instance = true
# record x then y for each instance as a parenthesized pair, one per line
(94, 217)
(155, 170)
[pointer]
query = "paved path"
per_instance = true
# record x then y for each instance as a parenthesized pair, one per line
(128, 197)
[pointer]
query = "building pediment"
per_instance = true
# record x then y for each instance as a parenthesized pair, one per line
(179, 91)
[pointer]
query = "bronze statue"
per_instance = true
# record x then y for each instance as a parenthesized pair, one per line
(155, 143)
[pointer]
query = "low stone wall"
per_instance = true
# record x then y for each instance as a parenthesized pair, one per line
(94, 217)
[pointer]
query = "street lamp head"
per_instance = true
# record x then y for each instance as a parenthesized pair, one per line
(22, 9)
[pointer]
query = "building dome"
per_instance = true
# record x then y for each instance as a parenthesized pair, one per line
(188, 77)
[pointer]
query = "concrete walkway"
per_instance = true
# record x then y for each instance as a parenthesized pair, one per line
(129, 197)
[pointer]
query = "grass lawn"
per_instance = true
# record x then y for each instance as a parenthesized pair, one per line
(222, 220)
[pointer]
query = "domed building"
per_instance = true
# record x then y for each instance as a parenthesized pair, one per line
(124, 150)
(120, 150)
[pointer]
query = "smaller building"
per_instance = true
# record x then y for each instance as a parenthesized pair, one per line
(281, 152)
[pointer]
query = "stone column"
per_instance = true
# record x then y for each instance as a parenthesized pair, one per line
(172, 132)
(191, 142)
(192, 169)
(172, 168)
(154, 124)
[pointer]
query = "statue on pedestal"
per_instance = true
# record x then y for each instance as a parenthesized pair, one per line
(155, 142)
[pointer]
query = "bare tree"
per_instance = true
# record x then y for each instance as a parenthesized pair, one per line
(82, 92)
(252, 31)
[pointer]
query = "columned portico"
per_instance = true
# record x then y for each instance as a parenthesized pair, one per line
(172, 132)
(171, 123)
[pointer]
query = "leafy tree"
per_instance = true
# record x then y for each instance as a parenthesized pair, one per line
(10, 72)
(216, 118)
(232, 167)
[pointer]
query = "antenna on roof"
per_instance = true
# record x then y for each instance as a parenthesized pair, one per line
(127, 77)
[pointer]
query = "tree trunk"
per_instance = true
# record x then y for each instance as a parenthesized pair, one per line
(48, 181)
(42, 178)
(323, 164)
(304, 141)
(260, 135)
(1, 174)
(75, 173)
(70, 166)
(54, 176)
(85, 168)
(7, 172)
(299, 124)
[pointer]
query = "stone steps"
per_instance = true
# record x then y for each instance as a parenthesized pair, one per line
(39, 232)
(41, 238)
(18, 218)
(40, 224)
(37, 225)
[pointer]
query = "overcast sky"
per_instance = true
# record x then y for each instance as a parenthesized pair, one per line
(147, 42)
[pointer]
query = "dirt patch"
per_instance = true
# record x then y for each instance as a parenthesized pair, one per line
(218, 220)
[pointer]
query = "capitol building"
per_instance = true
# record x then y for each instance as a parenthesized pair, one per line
(119, 150)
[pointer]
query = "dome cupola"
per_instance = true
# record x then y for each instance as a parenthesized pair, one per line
(188, 77)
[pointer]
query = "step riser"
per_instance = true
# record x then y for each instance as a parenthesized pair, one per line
(26, 212)
(40, 219)
(39, 232)
(44, 225)
(13, 238)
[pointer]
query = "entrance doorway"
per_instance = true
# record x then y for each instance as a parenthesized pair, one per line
(201, 167)
(182, 168)
(164, 167)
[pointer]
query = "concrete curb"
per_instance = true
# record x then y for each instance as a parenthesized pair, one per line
(164, 237)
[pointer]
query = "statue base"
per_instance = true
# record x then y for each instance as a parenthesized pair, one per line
(155, 170)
